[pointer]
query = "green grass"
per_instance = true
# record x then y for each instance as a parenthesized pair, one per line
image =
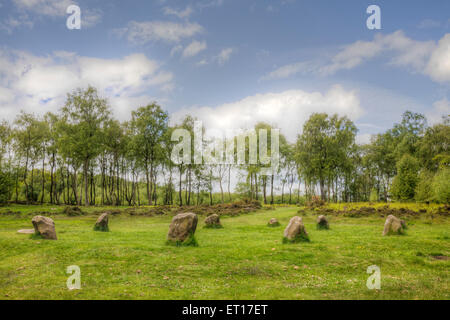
(273, 225)
(101, 228)
(297, 238)
(245, 260)
(213, 226)
(190, 241)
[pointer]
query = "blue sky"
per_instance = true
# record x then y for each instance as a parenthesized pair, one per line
(231, 63)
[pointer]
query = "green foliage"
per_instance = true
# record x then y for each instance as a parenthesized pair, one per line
(405, 182)
(36, 236)
(273, 225)
(424, 190)
(190, 241)
(322, 226)
(433, 147)
(213, 226)
(373, 196)
(301, 237)
(5, 185)
(441, 186)
(325, 149)
(102, 228)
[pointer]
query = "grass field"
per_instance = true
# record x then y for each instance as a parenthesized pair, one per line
(244, 260)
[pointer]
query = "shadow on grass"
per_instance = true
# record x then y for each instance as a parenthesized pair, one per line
(189, 242)
(298, 238)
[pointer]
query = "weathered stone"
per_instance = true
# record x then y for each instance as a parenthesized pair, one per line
(393, 225)
(273, 223)
(322, 222)
(295, 230)
(45, 227)
(26, 231)
(183, 225)
(102, 222)
(73, 211)
(213, 221)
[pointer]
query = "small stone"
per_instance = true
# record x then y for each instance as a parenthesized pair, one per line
(213, 221)
(45, 227)
(183, 225)
(322, 222)
(393, 225)
(102, 223)
(295, 231)
(273, 223)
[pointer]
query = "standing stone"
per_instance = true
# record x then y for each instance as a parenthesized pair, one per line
(213, 221)
(45, 227)
(102, 222)
(273, 223)
(322, 222)
(295, 231)
(393, 225)
(183, 226)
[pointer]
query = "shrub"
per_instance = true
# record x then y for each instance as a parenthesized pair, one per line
(373, 196)
(72, 211)
(405, 182)
(441, 186)
(424, 191)
(316, 202)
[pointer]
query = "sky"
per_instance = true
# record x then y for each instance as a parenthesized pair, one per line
(231, 63)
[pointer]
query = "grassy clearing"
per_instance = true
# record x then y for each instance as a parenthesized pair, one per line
(244, 260)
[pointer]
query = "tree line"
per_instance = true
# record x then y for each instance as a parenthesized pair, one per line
(83, 156)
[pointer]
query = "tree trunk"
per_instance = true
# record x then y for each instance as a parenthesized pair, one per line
(271, 189)
(86, 183)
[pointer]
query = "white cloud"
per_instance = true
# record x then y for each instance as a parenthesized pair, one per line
(363, 138)
(179, 13)
(438, 67)
(12, 23)
(428, 24)
(194, 48)
(209, 4)
(176, 49)
(202, 62)
(55, 8)
(143, 32)
(425, 57)
(287, 110)
(224, 55)
(440, 108)
(40, 84)
(290, 69)
(90, 18)
(407, 52)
